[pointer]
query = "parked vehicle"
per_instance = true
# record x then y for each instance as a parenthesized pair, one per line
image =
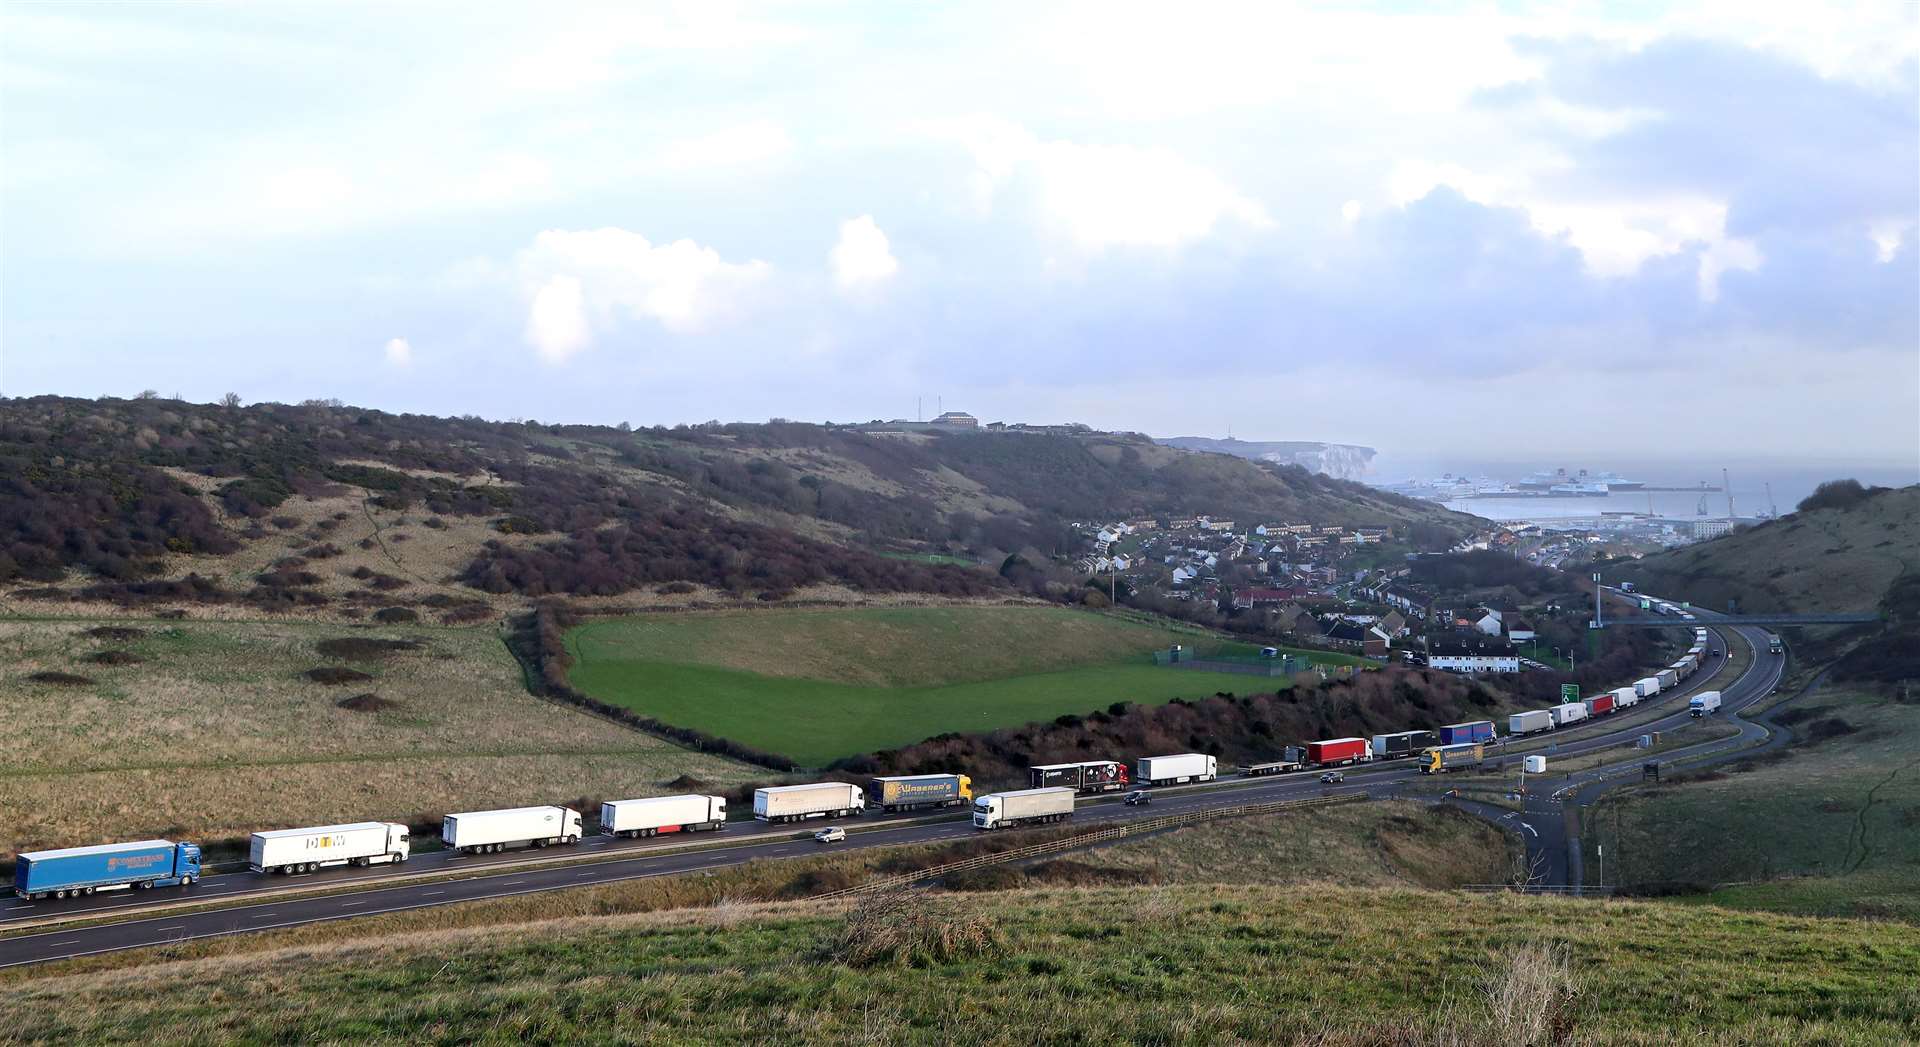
(1022, 807)
(1261, 770)
(1471, 731)
(1706, 703)
(486, 832)
(1137, 798)
(70, 872)
(1601, 706)
(1338, 752)
(1647, 687)
(1174, 770)
(1402, 743)
(1532, 722)
(792, 803)
(305, 850)
(1568, 713)
(1454, 757)
(911, 792)
(831, 834)
(1090, 776)
(1625, 697)
(1668, 679)
(1333, 778)
(654, 815)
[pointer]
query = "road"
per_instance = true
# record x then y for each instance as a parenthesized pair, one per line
(248, 902)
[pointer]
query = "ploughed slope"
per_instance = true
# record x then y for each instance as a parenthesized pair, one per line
(284, 507)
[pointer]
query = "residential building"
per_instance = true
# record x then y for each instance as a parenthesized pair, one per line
(1467, 655)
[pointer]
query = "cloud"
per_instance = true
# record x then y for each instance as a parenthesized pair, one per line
(581, 284)
(399, 353)
(747, 144)
(862, 257)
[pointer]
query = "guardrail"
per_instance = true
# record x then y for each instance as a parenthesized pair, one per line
(1069, 843)
(1538, 888)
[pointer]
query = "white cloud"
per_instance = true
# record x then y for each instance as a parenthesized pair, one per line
(399, 353)
(583, 283)
(754, 143)
(1887, 238)
(862, 257)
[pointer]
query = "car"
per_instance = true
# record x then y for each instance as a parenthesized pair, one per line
(1333, 777)
(1137, 798)
(834, 834)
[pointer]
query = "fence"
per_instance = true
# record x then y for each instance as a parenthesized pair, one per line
(1069, 843)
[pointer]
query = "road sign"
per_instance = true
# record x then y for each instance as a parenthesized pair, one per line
(1569, 693)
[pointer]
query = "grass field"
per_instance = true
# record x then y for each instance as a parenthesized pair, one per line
(815, 685)
(214, 731)
(1181, 964)
(1833, 828)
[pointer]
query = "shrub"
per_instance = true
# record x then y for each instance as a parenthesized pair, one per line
(911, 929)
(396, 616)
(333, 675)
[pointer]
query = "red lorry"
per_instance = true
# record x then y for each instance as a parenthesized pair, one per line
(1602, 705)
(1337, 752)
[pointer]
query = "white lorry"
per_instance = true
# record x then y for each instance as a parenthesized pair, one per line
(654, 815)
(1532, 722)
(1668, 678)
(1706, 703)
(1568, 712)
(1647, 687)
(305, 850)
(485, 832)
(1022, 807)
(1174, 770)
(1625, 697)
(792, 803)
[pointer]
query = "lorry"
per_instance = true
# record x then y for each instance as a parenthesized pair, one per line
(1532, 722)
(653, 815)
(70, 872)
(1602, 705)
(1453, 757)
(1022, 807)
(1625, 698)
(1088, 776)
(1175, 770)
(1294, 759)
(792, 803)
(1668, 679)
(907, 792)
(1568, 712)
(306, 850)
(1338, 752)
(1402, 743)
(1471, 731)
(487, 832)
(1706, 703)
(1647, 687)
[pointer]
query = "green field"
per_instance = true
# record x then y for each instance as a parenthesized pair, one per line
(815, 685)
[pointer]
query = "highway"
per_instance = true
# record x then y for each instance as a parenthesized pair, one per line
(245, 902)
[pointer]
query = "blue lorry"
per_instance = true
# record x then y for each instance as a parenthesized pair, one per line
(1463, 733)
(73, 871)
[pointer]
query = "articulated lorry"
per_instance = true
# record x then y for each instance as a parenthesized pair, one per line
(1706, 703)
(910, 792)
(1568, 713)
(1647, 686)
(1087, 776)
(74, 871)
(1471, 731)
(1454, 758)
(1175, 770)
(488, 832)
(1022, 807)
(653, 815)
(792, 803)
(1625, 697)
(1532, 722)
(1338, 752)
(308, 850)
(1402, 743)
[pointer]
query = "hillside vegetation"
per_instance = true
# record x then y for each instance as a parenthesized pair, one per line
(210, 729)
(293, 508)
(1224, 964)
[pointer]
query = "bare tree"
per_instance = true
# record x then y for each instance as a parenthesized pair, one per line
(231, 400)
(148, 394)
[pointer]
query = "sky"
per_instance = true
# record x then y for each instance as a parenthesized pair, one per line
(1490, 230)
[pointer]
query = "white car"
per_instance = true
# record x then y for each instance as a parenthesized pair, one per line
(834, 834)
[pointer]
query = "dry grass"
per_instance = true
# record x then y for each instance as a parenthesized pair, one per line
(218, 733)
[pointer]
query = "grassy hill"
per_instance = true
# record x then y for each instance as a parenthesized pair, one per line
(819, 684)
(1173, 964)
(135, 728)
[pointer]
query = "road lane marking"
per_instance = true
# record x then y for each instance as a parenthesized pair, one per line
(263, 916)
(349, 905)
(175, 927)
(431, 894)
(510, 883)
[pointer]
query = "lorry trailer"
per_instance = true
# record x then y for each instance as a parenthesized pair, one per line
(653, 815)
(1261, 770)
(1602, 705)
(70, 872)
(1471, 731)
(1338, 752)
(1532, 722)
(1568, 712)
(1625, 697)
(1453, 758)
(306, 850)
(792, 803)
(1022, 807)
(1088, 776)
(1176, 770)
(486, 832)
(1668, 679)
(1706, 703)
(1402, 743)
(1647, 687)
(909, 792)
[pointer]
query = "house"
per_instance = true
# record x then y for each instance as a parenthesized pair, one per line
(1376, 644)
(1409, 601)
(1520, 631)
(1484, 619)
(1293, 618)
(957, 420)
(1393, 624)
(1183, 575)
(1258, 596)
(1470, 655)
(1341, 631)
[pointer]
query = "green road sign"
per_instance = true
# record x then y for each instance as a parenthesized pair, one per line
(1569, 693)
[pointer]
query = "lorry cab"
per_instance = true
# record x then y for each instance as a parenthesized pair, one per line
(399, 842)
(187, 858)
